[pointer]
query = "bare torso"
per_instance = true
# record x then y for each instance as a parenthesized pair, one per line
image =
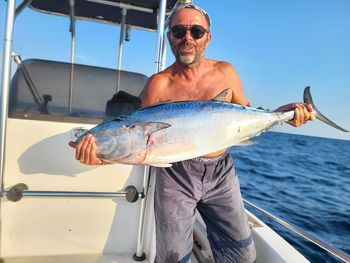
(202, 83)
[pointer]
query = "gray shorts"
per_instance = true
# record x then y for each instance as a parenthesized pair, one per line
(210, 185)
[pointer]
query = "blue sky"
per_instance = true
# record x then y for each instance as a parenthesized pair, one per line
(277, 48)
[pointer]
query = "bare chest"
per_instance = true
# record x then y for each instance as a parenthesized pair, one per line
(204, 89)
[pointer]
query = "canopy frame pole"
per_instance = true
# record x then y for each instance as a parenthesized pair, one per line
(5, 83)
(160, 36)
(123, 5)
(163, 56)
(5, 87)
(72, 54)
(22, 6)
(121, 42)
(146, 179)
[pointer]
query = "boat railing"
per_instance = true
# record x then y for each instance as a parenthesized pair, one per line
(18, 191)
(334, 251)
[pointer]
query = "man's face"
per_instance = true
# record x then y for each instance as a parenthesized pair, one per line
(188, 50)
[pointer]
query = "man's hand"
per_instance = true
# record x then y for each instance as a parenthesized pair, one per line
(303, 113)
(86, 151)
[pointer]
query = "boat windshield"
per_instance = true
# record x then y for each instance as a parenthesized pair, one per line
(42, 87)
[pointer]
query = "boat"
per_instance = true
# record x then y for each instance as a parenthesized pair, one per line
(55, 210)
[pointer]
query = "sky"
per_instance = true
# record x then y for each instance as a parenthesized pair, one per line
(277, 47)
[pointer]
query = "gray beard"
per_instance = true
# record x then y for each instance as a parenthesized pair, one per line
(186, 60)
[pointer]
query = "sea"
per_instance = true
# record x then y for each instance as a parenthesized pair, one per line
(304, 181)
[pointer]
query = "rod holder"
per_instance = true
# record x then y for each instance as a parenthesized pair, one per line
(16, 192)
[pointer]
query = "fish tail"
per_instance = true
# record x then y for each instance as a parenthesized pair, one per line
(318, 114)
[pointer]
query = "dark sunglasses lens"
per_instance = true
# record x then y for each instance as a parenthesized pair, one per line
(197, 32)
(178, 31)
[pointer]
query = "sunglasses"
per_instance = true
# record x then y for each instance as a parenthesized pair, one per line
(197, 31)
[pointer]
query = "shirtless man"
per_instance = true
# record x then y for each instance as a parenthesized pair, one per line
(208, 183)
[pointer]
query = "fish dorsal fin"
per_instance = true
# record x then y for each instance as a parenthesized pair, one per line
(149, 127)
(221, 96)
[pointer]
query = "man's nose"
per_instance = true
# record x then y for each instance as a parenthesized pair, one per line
(188, 34)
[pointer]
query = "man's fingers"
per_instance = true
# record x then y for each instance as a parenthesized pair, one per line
(309, 112)
(87, 152)
(94, 158)
(303, 112)
(312, 116)
(78, 149)
(80, 152)
(309, 107)
(305, 115)
(298, 116)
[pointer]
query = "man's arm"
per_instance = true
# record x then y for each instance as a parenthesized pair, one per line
(234, 83)
(153, 91)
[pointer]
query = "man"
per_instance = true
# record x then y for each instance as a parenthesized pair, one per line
(208, 183)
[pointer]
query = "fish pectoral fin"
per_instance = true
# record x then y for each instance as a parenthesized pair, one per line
(221, 96)
(247, 143)
(147, 128)
(161, 165)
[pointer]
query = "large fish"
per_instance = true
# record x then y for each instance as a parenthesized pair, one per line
(166, 133)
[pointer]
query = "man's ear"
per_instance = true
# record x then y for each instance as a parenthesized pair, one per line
(208, 39)
(168, 34)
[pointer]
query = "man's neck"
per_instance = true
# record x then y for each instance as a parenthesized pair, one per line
(190, 71)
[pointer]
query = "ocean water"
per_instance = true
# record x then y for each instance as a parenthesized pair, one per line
(303, 180)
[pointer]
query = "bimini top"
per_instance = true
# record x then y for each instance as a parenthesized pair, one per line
(140, 13)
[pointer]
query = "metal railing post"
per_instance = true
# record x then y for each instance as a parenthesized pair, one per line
(140, 255)
(5, 83)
